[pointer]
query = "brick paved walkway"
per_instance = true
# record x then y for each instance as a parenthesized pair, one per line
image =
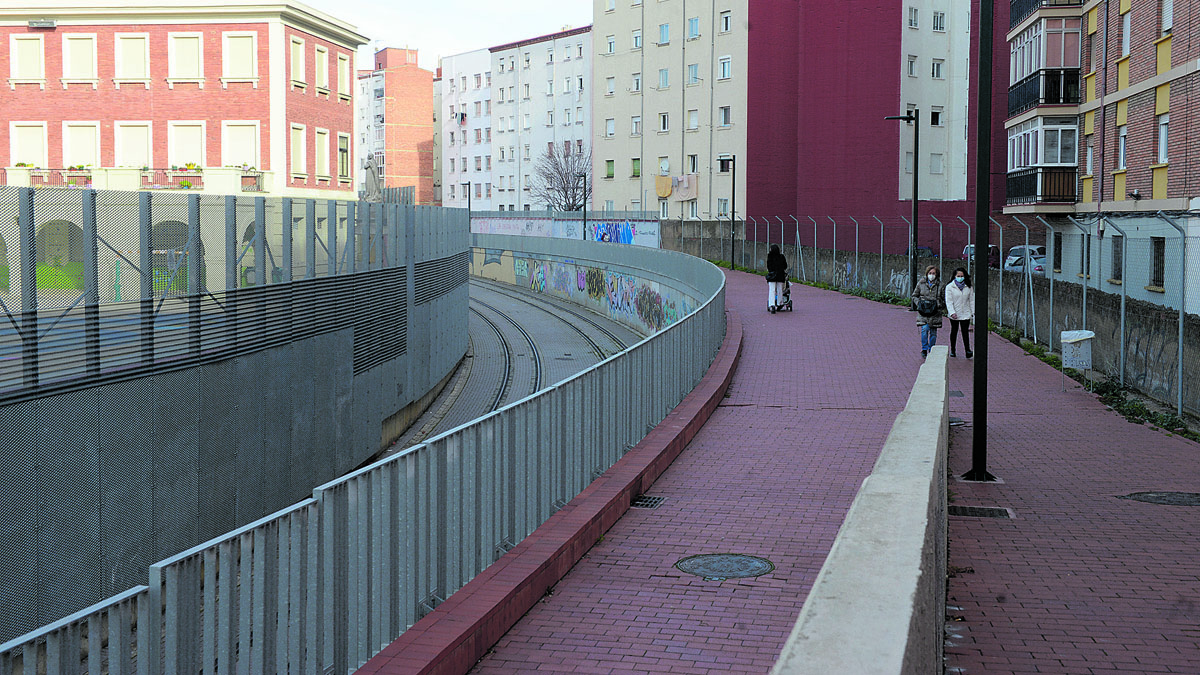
(771, 474)
(1079, 581)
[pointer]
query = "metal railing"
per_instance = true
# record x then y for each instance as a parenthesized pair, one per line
(1049, 86)
(172, 179)
(1019, 10)
(1041, 185)
(68, 178)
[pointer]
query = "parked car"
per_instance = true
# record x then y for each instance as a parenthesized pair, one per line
(993, 254)
(1016, 263)
(923, 252)
(1026, 250)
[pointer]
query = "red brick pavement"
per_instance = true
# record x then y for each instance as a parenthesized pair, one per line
(771, 474)
(1079, 581)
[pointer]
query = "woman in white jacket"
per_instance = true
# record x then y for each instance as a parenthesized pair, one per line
(960, 307)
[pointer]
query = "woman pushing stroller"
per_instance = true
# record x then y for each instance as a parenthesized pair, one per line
(777, 296)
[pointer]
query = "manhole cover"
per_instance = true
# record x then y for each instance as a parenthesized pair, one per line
(979, 511)
(1166, 498)
(647, 502)
(721, 566)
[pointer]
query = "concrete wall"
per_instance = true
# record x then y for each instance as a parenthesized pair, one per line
(878, 604)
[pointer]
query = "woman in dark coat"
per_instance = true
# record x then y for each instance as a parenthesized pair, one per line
(776, 274)
(928, 295)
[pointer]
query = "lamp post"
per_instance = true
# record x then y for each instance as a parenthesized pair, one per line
(585, 196)
(468, 186)
(729, 163)
(912, 118)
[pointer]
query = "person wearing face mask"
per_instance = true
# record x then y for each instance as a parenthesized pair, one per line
(927, 300)
(960, 306)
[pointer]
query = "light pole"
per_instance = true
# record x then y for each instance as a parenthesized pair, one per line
(468, 186)
(913, 118)
(585, 196)
(729, 163)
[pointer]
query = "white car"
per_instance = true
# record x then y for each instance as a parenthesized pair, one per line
(1016, 263)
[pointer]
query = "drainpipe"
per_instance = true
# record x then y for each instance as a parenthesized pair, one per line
(1182, 300)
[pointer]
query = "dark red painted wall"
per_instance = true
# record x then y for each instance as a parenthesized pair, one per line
(772, 101)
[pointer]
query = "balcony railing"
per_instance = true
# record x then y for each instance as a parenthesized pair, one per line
(252, 181)
(1056, 86)
(1019, 10)
(81, 178)
(1042, 185)
(172, 179)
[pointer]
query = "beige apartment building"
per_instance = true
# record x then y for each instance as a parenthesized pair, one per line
(669, 101)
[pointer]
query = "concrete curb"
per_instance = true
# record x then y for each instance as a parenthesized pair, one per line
(879, 604)
(453, 637)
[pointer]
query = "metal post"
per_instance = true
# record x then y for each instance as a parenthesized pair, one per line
(286, 222)
(29, 289)
(260, 241)
(941, 250)
(310, 238)
(1030, 308)
(1182, 300)
(913, 118)
(880, 252)
(1000, 273)
(146, 262)
(1124, 257)
(799, 249)
(351, 239)
(91, 284)
(733, 210)
(960, 218)
(331, 222)
(833, 269)
(194, 264)
(1086, 256)
(1050, 250)
(231, 272)
(814, 222)
(857, 283)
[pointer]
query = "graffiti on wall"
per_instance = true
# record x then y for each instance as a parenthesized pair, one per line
(595, 283)
(899, 283)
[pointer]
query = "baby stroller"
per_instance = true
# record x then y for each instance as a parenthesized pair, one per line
(786, 302)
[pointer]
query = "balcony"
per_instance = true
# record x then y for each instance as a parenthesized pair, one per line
(1050, 86)
(1019, 10)
(172, 179)
(1042, 185)
(213, 180)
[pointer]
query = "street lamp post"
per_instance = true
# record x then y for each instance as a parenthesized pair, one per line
(730, 164)
(468, 186)
(585, 196)
(913, 118)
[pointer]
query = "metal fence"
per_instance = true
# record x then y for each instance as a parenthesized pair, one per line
(325, 584)
(1135, 280)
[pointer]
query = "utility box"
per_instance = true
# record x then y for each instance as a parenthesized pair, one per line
(1077, 349)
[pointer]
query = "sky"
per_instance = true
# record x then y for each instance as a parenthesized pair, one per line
(440, 28)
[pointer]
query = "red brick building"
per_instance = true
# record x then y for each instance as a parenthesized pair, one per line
(395, 121)
(222, 97)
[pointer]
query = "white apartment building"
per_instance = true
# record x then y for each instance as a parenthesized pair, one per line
(541, 97)
(669, 101)
(936, 47)
(465, 130)
(438, 114)
(369, 123)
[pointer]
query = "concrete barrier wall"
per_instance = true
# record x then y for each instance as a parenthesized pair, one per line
(878, 604)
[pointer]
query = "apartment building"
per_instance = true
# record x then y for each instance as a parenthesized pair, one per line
(466, 130)
(394, 124)
(217, 96)
(542, 98)
(670, 102)
(438, 113)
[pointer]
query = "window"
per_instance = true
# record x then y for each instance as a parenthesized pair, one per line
(578, 115)
(1062, 43)
(610, 5)
(1025, 53)
(693, 119)
(636, 169)
(525, 91)
(693, 28)
(664, 122)
(451, 165)
(1168, 16)
(609, 167)
(936, 70)
(81, 144)
(636, 125)
(1089, 159)
(610, 127)
(322, 79)
(549, 87)
(724, 163)
(27, 63)
(939, 22)
(549, 118)
(297, 150)
(566, 85)
(322, 163)
(693, 163)
(132, 57)
(1158, 260)
(724, 67)
(487, 163)
(664, 166)
(723, 206)
(28, 143)
(239, 144)
(478, 80)
(637, 82)
(185, 58)
(637, 39)
(525, 120)
(1059, 146)
(132, 144)
(343, 77)
(914, 18)
(693, 73)
(1058, 251)
(297, 61)
(550, 55)
(611, 41)
(726, 20)
(79, 57)
(664, 208)
(478, 163)
(664, 33)
(1121, 137)
(1126, 29)
(239, 56)
(1118, 257)
(936, 118)
(185, 143)
(693, 209)
(912, 66)
(566, 116)
(1163, 122)
(936, 163)
(610, 86)
(664, 78)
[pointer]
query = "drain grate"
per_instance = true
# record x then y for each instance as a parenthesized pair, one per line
(956, 394)
(646, 502)
(722, 566)
(1165, 498)
(979, 511)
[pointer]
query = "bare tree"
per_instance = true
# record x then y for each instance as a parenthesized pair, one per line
(562, 179)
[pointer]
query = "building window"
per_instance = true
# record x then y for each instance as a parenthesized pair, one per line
(1118, 257)
(610, 41)
(1059, 146)
(664, 122)
(935, 163)
(637, 39)
(663, 208)
(724, 116)
(726, 20)
(1090, 156)
(298, 150)
(1126, 29)
(525, 91)
(693, 73)
(637, 82)
(1168, 16)
(322, 74)
(636, 125)
(185, 143)
(297, 62)
(939, 22)
(132, 145)
(664, 78)
(610, 86)
(914, 18)
(322, 163)
(936, 70)
(722, 207)
(343, 77)
(636, 169)
(693, 163)
(664, 33)
(936, 118)
(132, 57)
(1121, 137)
(27, 63)
(79, 57)
(1058, 237)
(239, 58)
(549, 118)
(609, 167)
(81, 144)
(693, 209)
(1163, 123)
(693, 119)
(693, 27)
(610, 5)
(610, 127)
(1158, 261)
(185, 57)
(725, 68)
(239, 144)
(912, 66)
